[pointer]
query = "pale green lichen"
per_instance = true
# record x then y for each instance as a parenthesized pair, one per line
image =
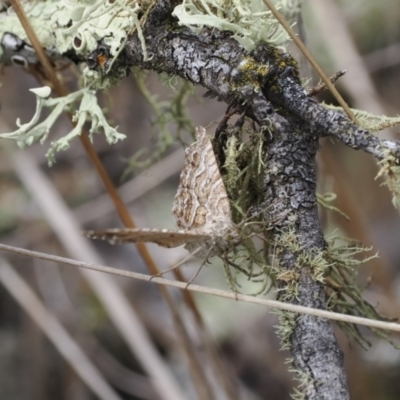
(324, 201)
(88, 110)
(233, 173)
(343, 294)
(336, 268)
(250, 21)
(368, 121)
(287, 324)
(78, 25)
(304, 379)
(37, 12)
(110, 22)
(390, 168)
(171, 119)
(243, 170)
(63, 25)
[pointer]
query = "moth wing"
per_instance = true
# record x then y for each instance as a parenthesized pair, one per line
(164, 237)
(201, 193)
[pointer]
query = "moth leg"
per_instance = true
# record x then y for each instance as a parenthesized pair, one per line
(199, 269)
(188, 257)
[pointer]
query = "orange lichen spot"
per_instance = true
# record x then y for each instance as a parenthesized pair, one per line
(101, 59)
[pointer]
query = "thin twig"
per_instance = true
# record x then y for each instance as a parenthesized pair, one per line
(311, 59)
(321, 87)
(390, 326)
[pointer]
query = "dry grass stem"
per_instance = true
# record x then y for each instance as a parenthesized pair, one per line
(121, 313)
(311, 59)
(390, 326)
(133, 189)
(55, 332)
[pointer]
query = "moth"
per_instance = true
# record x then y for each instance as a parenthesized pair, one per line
(201, 208)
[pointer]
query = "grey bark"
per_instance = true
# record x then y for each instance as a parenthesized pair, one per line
(291, 158)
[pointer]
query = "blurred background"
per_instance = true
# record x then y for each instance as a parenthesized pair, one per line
(113, 319)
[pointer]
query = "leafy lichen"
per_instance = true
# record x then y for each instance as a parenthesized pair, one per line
(250, 21)
(88, 110)
(80, 25)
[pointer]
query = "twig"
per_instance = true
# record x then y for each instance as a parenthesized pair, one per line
(321, 87)
(311, 60)
(390, 326)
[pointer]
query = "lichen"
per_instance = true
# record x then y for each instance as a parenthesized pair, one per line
(390, 168)
(287, 323)
(80, 25)
(304, 379)
(324, 201)
(250, 21)
(336, 268)
(166, 113)
(52, 16)
(368, 121)
(249, 73)
(243, 170)
(88, 110)
(342, 292)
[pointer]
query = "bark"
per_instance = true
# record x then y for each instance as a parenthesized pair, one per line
(265, 79)
(292, 181)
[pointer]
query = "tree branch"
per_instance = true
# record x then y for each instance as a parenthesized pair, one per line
(299, 241)
(265, 79)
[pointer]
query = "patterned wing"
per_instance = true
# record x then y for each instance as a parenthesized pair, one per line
(201, 201)
(162, 237)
